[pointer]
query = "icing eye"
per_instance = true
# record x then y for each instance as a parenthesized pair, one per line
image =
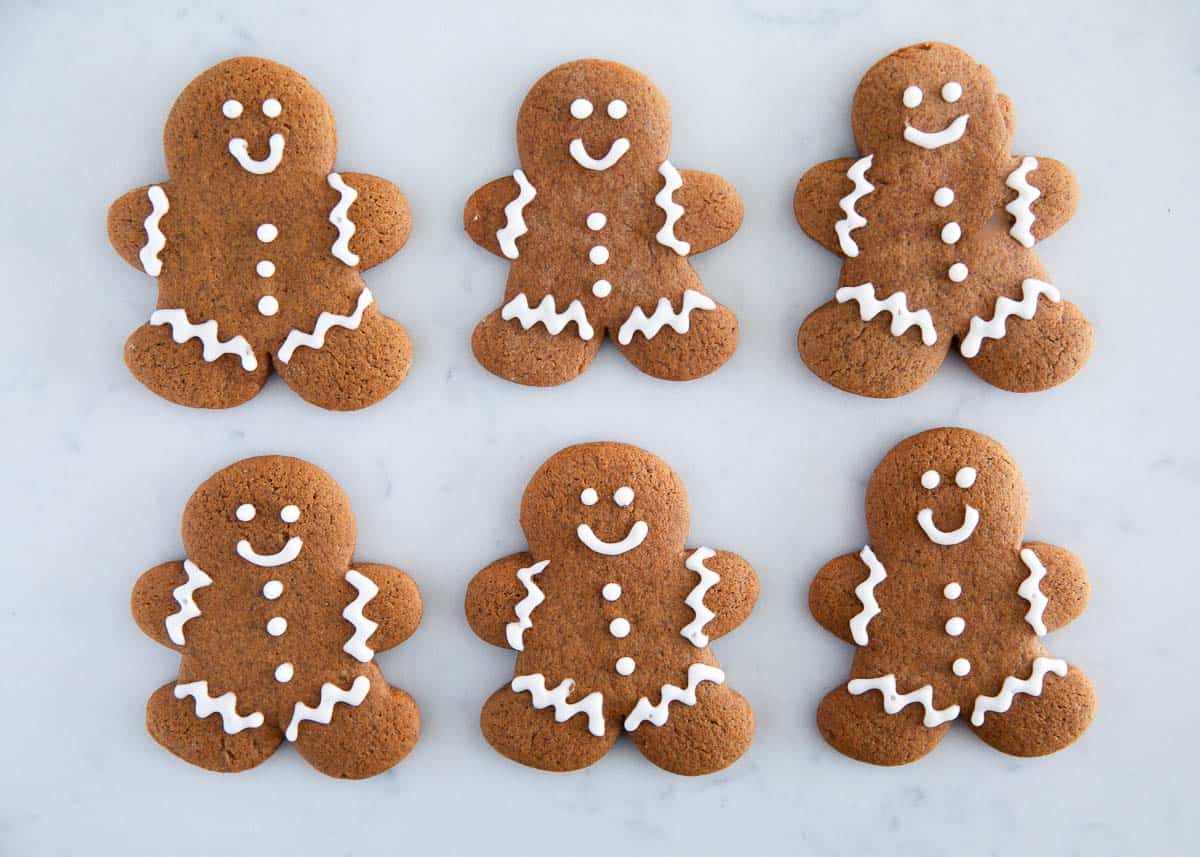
(913, 96)
(589, 497)
(272, 108)
(952, 91)
(965, 477)
(931, 479)
(232, 108)
(289, 514)
(623, 496)
(617, 108)
(246, 512)
(581, 108)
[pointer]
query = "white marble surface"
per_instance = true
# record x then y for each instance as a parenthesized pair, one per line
(775, 461)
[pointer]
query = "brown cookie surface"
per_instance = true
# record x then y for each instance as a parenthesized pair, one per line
(278, 628)
(611, 616)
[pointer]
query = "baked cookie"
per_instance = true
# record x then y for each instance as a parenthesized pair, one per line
(936, 224)
(259, 247)
(277, 628)
(599, 226)
(949, 622)
(611, 618)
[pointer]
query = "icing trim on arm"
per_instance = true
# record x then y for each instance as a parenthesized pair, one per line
(547, 313)
(894, 701)
(853, 220)
(182, 330)
(592, 705)
(1026, 308)
(357, 646)
(1012, 686)
(331, 695)
(240, 149)
(326, 321)
(694, 631)
(340, 217)
(1031, 591)
(225, 705)
(155, 240)
(514, 632)
(1021, 207)
(952, 133)
(514, 216)
(183, 594)
(672, 182)
(865, 592)
(657, 714)
(664, 316)
(896, 303)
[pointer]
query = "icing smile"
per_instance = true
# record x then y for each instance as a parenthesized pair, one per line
(579, 152)
(953, 537)
(952, 133)
(289, 552)
(635, 536)
(240, 149)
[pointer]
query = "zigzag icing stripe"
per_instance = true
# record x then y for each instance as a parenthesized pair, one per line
(853, 220)
(514, 217)
(1031, 686)
(225, 705)
(340, 217)
(547, 313)
(865, 592)
(326, 321)
(896, 303)
(182, 330)
(694, 630)
(894, 701)
(1021, 207)
(357, 646)
(664, 316)
(515, 631)
(1031, 592)
(657, 714)
(155, 240)
(1026, 308)
(331, 695)
(196, 579)
(672, 182)
(591, 705)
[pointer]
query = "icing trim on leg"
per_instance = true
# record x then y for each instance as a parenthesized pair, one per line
(183, 594)
(664, 316)
(340, 217)
(1031, 591)
(514, 218)
(546, 312)
(182, 330)
(1021, 207)
(591, 705)
(155, 240)
(225, 705)
(657, 714)
(356, 647)
(672, 182)
(515, 631)
(1025, 308)
(894, 701)
(1012, 686)
(326, 321)
(853, 220)
(694, 631)
(865, 592)
(331, 695)
(896, 303)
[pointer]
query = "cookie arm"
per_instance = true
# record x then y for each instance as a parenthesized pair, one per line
(381, 217)
(483, 215)
(153, 600)
(712, 210)
(733, 597)
(831, 597)
(127, 228)
(817, 198)
(1057, 198)
(1065, 585)
(397, 607)
(492, 597)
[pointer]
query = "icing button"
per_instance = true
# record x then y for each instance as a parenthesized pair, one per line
(265, 268)
(951, 232)
(598, 255)
(943, 197)
(602, 288)
(596, 221)
(272, 589)
(611, 591)
(268, 305)
(626, 666)
(957, 273)
(952, 590)
(284, 673)
(955, 625)
(277, 626)
(961, 666)
(619, 628)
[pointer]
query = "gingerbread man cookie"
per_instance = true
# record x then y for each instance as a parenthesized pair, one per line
(948, 606)
(599, 226)
(278, 629)
(611, 618)
(936, 224)
(258, 248)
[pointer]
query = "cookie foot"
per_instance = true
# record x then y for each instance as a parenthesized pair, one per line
(858, 727)
(702, 738)
(1039, 725)
(532, 357)
(710, 341)
(179, 373)
(1037, 354)
(202, 740)
(531, 736)
(365, 740)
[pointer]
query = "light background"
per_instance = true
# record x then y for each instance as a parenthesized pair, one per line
(97, 469)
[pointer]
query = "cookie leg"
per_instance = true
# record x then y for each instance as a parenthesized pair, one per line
(1039, 725)
(864, 357)
(532, 736)
(701, 738)
(353, 368)
(711, 338)
(533, 357)
(1032, 355)
(363, 740)
(179, 373)
(859, 727)
(173, 723)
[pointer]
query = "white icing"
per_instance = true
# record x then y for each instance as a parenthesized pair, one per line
(602, 288)
(271, 108)
(246, 512)
(865, 592)
(547, 313)
(232, 108)
(619, 147)
(958, 272)
(598, 255)
(277, 626)
(953, 537)
(635, 536)
(266, 232)
(619, 628)
(931, 479)
(617, 109)
(240, 149)
(955, 625)
(623, 496)
(1026, 308)
(596, 221)
(589, 497)
(896, 303)
(657, 714)
(853, 220)
(290, 513)
(155, 240)
(183, 594)
(965, 477)
(1021, 207)
(951, 233)
(514, 217)
(952, 133)
(626, 666)
(182, 330)
(340, 218)
(943, 197)
(961, 667)
(894, 701)
(268, 305)
(283, 556)
(331, 695)
(581, 108)
(664, 316)
(952, 91)
(1031, 686)
(693, 631)
(1030, 590)
(591, 705)
(664, 199)
(912, 97)
(225, 705)
(611, 591)
(356, 647)
(265, 268)
(272, 589)
(326, 321)
(515, 631)
(952, 591)
(284, 672)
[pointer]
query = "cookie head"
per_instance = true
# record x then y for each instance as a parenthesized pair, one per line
(944, 488)
(592, 117)
(269, 512)
(598, 501)
(249, 117)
